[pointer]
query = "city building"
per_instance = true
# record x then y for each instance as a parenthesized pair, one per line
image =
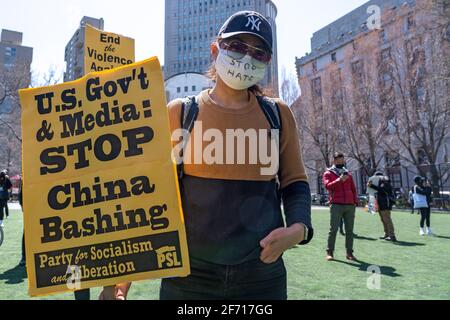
(74, 54)
(14, 57)
(186, 84)
(192, 25)
(15, 74)
(365, 72)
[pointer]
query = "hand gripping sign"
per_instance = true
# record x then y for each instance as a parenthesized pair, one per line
(101, 202)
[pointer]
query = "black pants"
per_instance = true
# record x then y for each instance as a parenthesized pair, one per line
(3, 209)
(6, 208)
(425, 217)
(342, 227)
(83, 294)
(23, 247)
(253, 280)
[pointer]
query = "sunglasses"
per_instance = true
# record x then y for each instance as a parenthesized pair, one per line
(241, 49)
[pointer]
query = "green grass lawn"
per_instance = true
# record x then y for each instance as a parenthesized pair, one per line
(415, 268)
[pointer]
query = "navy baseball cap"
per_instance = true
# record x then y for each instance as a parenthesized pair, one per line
(248, 22)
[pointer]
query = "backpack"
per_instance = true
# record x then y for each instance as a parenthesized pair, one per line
(190, 111)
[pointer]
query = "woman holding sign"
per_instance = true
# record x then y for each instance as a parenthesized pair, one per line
(232, 206)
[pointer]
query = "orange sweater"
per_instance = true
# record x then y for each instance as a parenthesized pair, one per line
(251, 116)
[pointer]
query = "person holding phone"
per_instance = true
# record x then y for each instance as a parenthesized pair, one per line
(343, 202)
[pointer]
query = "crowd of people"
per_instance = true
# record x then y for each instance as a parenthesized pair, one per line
(343, 202)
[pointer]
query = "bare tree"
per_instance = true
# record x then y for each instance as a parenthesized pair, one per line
(11, 81)
(363, 118)
(317, 122)
(290, 90)
(420, 70)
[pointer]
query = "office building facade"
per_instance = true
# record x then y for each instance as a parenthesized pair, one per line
(192, 25)
(14, 57)
(15, 74)
(356, 62)
(74, 54)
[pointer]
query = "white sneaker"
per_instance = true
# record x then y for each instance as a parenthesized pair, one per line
(429, 232)
(422, 232)
(1, 224)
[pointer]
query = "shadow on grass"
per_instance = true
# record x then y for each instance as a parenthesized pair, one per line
(442, 237)
(364, 267)
(365, 238)
(15, 275)
(408, 244)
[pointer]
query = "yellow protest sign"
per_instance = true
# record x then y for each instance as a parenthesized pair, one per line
(105, 50)
(101, 197)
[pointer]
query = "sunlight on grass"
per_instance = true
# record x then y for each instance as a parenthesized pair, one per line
(415, 268)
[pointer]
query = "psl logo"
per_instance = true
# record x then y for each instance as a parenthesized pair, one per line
(254, 22)
(167, 258)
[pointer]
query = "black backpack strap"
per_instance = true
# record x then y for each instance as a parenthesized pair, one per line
(272, 112)
(189, 114)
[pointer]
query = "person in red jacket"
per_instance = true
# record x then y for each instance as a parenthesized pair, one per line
(343, 201)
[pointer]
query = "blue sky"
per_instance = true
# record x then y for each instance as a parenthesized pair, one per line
(49, 24)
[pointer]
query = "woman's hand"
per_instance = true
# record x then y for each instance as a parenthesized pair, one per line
(122, 291)
(108, 293)
(280, 240)
(117, 292)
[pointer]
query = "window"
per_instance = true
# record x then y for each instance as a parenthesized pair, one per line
(333, 57)
(410, 22)
(422, 156)
(194, 88)
(357, 70)
(392, 160)
(317, 87)
(186, 89)
(383, 36)
(386, 54)
(448, 32)
(387, 80)
(178, 90)
(314, 66)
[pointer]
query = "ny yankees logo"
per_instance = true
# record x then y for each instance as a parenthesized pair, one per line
(254, 21)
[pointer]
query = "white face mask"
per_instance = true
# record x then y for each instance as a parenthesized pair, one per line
(239, 73)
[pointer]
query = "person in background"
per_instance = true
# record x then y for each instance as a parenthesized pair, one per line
(411, 199)
(421, 192)
(22, 262)
(343, 201)
(385, 199)
(5, 187)
(429, 194)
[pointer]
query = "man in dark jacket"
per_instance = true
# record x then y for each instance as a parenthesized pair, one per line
(385, 199)
(343, 201)
(5, 187)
